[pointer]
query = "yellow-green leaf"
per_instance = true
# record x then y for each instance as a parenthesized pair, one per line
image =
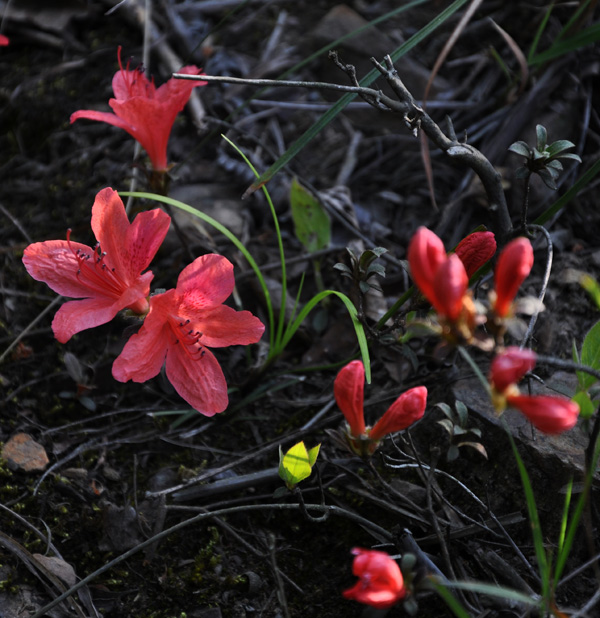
(296, 464)
(311, 221)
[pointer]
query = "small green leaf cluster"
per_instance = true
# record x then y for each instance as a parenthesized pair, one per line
(296, 465)
(363, 267)
(455, 424)
(543, 159)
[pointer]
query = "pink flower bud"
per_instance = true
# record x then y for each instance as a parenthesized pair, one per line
(514, 265)
(551, 415)
(475, 250)
(381, 584)
(407, 409)
(426, 254)
(348, 390)
(510, 366)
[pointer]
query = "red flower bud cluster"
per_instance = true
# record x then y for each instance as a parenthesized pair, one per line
(444, 279)
(348, 389)
(551, 415)
(381, 584)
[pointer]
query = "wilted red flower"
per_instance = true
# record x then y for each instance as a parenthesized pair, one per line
(510, 366)
(381, 584)
(4, 40)
(513, 267)
(147, 113)
(475, 250)
(180, 327)
(552, 415)
(348, 389)
(108, 277)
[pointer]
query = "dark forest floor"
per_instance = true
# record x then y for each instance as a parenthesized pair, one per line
(118, 453)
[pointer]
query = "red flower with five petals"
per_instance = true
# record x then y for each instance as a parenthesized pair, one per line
(180, 327)
(381, 584)
(108, 277)
(147, 113)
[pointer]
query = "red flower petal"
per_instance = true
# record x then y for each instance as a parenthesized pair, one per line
(426, 253)
(513, 267)
(475, 250)
(381, 584)
(510, 366)
(4, 40)
(551, 415)
(206, 282)
(406, 410)
(348, 390)
(109, 274)
(450, 284)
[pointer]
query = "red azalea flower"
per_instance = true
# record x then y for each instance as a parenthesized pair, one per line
(108, 277)
(510, 366)
(475, 250)
(348, 389)
(513, 267)
(180, 327)
(147, 113)
(381, 584)
(4, 40)
(552, 415)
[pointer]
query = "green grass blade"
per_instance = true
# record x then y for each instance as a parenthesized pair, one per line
(281, 320)
(331, 113)
(358, 327)
(534, 520)
(538, 34)
(491, 590)
(451, 601)
(563, 554)
(562, 201)
(588, 36)
(229, 235)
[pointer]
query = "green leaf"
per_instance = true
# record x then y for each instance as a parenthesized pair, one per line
(569, 155)
(520, 148)
(586, 405)
(542, 136)
(446, 409)
(296, 465)
(311, 221)
(559, 146)
(590, 355)
(590, 285)
(463, 413)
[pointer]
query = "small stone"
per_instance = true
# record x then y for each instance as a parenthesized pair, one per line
(22, 451)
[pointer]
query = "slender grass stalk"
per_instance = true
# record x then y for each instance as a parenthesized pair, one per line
(534, 519)
(275, 349)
